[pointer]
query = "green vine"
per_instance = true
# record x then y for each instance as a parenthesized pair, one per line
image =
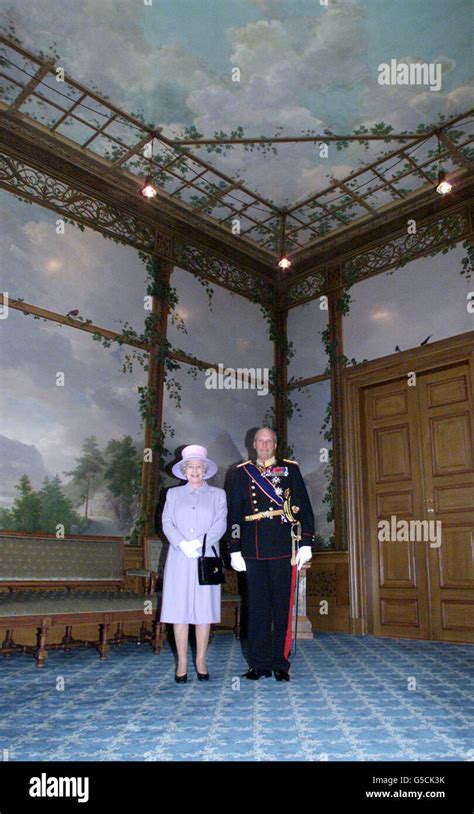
(277, 389)
(467, 262)
(329, 497)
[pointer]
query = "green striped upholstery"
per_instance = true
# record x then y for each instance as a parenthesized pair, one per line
(50, 559)
(32, 603)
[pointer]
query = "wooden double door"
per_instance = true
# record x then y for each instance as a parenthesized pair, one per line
(416, 457)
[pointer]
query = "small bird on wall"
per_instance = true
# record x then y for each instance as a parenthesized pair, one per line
(425, 342)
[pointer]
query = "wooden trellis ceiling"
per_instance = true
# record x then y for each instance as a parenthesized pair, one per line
(199, 193)
(102, 131)
(394, 177)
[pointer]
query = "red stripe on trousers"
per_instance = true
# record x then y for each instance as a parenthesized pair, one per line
(287, 649)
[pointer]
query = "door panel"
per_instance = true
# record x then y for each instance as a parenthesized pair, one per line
(446, 419)
(419, 460)
(398, 568)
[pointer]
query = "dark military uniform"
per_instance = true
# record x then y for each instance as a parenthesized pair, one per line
(266, 545)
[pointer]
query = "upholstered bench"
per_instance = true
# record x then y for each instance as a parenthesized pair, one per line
(47, 583)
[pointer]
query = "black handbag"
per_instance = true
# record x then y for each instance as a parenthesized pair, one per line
(210, 569)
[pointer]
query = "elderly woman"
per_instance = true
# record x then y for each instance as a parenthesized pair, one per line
(190, 512)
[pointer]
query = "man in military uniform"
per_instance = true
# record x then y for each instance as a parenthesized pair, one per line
(271, 512)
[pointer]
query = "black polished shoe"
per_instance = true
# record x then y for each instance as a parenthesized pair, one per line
(181, 679)
(254, 674)
(281, 675)
(203, 676)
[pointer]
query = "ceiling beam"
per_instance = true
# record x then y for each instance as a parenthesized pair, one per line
(459, 157)
(357, 198)
(298, 139)
(93, 176)
(42, 71)
(387, 227)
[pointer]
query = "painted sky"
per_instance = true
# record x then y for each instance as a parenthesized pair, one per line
(106, 282)
(304, 66)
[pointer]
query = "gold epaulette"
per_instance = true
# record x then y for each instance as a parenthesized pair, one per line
(243, 463)
(287, 460)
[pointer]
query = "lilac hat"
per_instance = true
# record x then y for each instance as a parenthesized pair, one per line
(194, 452)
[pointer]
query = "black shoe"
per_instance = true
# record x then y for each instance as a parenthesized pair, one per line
(281, 675)
(181, 679)
(254, 674)
(203, 676)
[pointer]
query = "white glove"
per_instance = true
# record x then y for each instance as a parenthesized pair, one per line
(189, 548)
(303, 555)
(237, 561)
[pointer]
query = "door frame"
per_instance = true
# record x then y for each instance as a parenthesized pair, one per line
(441, 354)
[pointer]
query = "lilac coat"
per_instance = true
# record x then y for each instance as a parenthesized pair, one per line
(189, 514)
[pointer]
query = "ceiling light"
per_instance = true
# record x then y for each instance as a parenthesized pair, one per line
(148, 190)
(443, 186)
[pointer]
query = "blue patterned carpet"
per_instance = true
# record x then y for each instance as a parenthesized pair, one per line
(348, 700)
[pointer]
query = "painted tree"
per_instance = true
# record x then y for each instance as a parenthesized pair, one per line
(88, 470)
(26, 510)
(56, 508)
(122, 475)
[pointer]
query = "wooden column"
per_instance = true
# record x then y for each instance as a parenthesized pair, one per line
(281, 371)
(156, 379)
(335, 320)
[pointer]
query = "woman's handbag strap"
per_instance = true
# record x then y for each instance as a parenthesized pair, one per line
(204, 548)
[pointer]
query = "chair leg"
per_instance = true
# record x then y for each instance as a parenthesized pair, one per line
(237, 623)
(8, 642)
(163, 633)
(158, 636)
(118, 636)
(155, 638)
(104, 646)
(142, 633)
(41, 653)
(67, 638)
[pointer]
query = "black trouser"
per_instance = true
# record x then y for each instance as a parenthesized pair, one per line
(269, 587)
